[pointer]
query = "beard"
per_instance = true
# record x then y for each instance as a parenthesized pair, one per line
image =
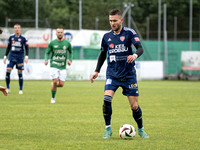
(60, 37)
(116, 28)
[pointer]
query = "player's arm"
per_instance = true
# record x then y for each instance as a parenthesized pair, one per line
(138, 53)
(26, 52)
(7, 52)
(70, 55)
(101, 59)
(139, 50)
(47, 52)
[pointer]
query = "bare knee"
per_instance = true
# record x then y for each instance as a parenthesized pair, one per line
(54, 83)
(61, 84)
(134, 106)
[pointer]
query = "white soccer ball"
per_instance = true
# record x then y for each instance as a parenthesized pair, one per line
(127, 131)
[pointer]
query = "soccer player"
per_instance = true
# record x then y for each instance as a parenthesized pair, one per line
(120, 70)
(58, 49)
(16, 44)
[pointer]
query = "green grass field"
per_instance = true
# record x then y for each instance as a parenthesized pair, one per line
(171, 111)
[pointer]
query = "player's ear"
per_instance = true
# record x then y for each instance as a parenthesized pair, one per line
(122, 19)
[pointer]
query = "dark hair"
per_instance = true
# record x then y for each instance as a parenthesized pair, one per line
(115, 12)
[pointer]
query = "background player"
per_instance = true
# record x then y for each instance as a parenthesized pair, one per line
(120, 70)
(16, 45)
(58, 49)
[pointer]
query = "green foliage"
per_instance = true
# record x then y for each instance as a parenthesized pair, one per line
(75, 121)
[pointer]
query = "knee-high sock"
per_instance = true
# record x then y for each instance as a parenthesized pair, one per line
(8, 78)
(53, 94)
(20, 80)
(107, 109)
(137, 115)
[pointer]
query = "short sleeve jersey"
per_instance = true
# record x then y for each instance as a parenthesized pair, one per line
(119, 47)
(17, 46)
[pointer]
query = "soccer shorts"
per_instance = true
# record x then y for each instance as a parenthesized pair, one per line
(58, 74)
(129, 86)
(18, 62)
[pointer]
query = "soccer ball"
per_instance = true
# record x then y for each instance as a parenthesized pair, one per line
(127, 131)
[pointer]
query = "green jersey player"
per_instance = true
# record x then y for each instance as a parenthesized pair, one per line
(59, 50)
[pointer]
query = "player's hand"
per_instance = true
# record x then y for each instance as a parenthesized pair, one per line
(26, 60)
(4, 60)
(69, 63)
(46, 62)
(131, 58)
(93, 76)
(3, 89)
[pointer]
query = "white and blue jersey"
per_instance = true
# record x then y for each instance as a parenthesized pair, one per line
(119, 47)
(17, 45)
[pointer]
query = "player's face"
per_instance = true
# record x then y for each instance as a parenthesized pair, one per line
(116, 22)
(17, 29)
(60, 34)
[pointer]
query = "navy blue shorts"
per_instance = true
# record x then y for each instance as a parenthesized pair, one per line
(18, 62)
(129, 86)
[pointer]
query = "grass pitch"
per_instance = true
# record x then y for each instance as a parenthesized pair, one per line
(171, 111)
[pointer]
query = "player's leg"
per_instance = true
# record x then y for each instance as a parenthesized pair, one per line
(54, 73)
(62, 78)
(53, 90)
(10, 66)
(110, 88)
(20, 75)
(60, 83)
(8, 72)
(107, 112)
(137, 115)
(20, 67)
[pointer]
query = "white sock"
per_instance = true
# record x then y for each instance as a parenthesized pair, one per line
(108, 126)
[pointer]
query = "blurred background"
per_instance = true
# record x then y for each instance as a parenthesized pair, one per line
(166, 28)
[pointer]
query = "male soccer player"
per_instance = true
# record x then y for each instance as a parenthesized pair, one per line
(58, 49)
(16, 44)
(120, 70)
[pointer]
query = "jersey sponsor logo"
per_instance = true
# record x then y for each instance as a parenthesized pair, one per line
(16, 43)
(62, 58)
(58, 64)
(137, 39)
(112, 58)
(118, 48)
(60, 51)
(122, 38)
(133, 86)
(111, 45)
